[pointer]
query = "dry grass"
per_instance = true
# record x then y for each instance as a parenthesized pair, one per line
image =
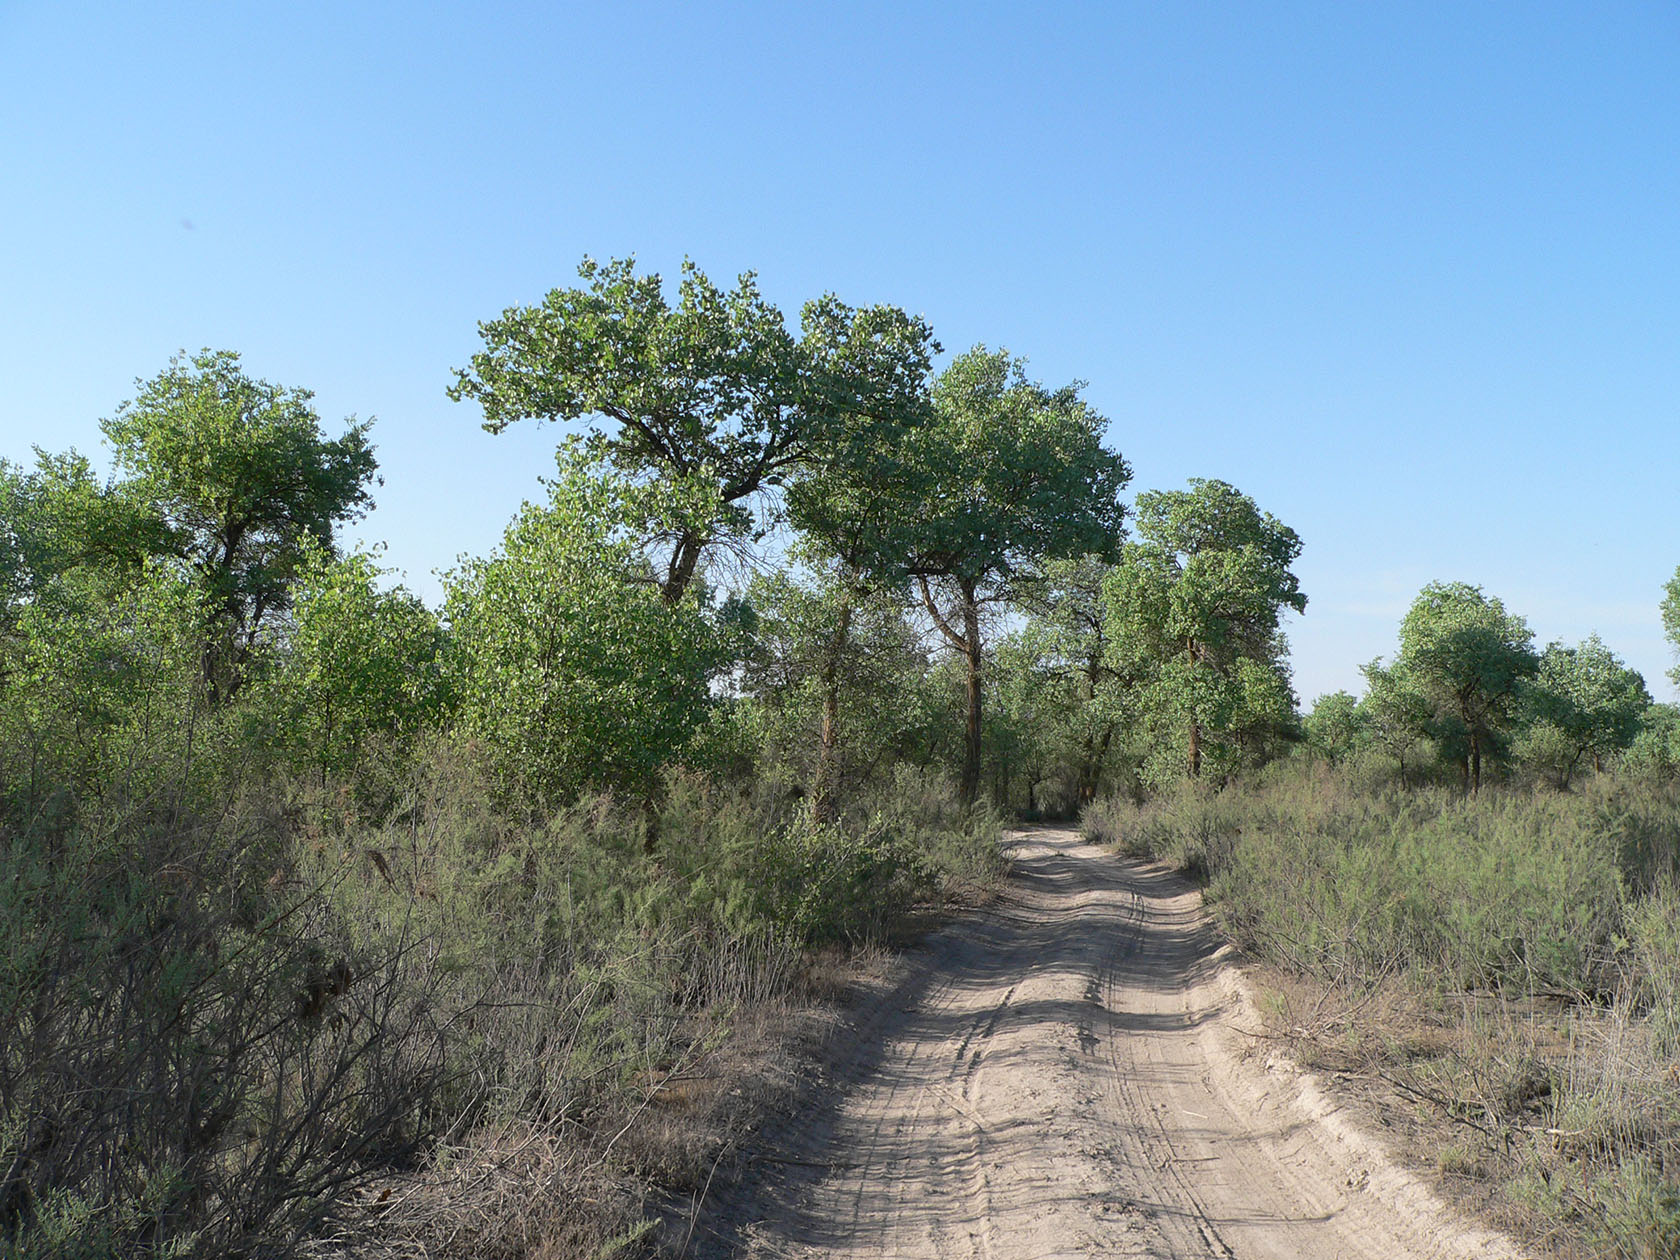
(1496, 980)
(515, 1192)
(635, 1180)
(1559, 1123)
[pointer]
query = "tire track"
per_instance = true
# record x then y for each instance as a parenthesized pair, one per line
(1059, 1075)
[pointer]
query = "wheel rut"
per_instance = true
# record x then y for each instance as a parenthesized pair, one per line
(1064, 1074)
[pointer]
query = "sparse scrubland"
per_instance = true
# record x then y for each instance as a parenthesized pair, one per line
(332, 923)
(1500, 970)
(1466, 887)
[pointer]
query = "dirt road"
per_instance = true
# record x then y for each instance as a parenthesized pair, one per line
(1064, 1074)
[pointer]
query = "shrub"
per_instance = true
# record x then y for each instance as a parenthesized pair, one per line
(193, 1065)
(1503, 889)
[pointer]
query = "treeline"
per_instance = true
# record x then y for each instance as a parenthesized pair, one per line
(1468, 693)
(305, 885)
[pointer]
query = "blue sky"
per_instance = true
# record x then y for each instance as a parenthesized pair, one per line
(1409, 274)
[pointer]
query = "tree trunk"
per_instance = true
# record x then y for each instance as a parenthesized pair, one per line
(650, 827)
(1195, 723)
(1090, 768)
(680, 572)
(1568, 774)
(1475, 763)
(970, 787)
(825, 789)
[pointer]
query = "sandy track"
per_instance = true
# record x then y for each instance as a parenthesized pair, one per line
(1064, 1074)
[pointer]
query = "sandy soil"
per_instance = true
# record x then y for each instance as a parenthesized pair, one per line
(1066, 1073)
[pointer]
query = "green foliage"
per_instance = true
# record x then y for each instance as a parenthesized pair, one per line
(1009, 476)
(1671, 620)
(1029, 727)
(1194, 610)
(1088, 702)
(714, 387)
(59, 524)
(846, 496)
(242, 481)
(1654, 753)
(817, 881)
(1506, 891)
(1189, 824)
(1468, 658)
(822, 649)
(1335, 728)
(1394, 713)
(572, 671)
(1583, 701)
(297, 878)
(104, 688)
(361, 664)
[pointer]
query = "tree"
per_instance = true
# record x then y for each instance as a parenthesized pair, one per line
(101, 690)
(1468, 658)
(1030, 724)
(1671, 621)
(360, 662)
(1196, 601)
(1007, 476)
(1655, 750)
(57, 517)
(1334, 727)
(1068, 629)
(715, 387)
(94, 627)
(1393, 712)
(1582, 701)
(572, 670)
(241, 481)
(830, 661)
(847, 498)
(64, 537)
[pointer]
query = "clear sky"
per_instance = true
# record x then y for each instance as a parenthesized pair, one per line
(1408, 274)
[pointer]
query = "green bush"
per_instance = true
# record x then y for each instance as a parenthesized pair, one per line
(1502, 889)
(193, 1063)
(1653, 928)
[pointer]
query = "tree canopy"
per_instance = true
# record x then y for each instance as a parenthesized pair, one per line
(1671, 621)
(1196, 602)
(242, 482)
(1468, 658)
(570, 667)
(1333, 726)
(1008, 476)
(714, 387)
(1583, 701)
(1394, 714)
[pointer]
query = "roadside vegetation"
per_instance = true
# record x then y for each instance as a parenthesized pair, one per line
(1466, 887)
(332, 923)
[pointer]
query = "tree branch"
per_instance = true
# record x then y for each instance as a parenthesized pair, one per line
(957, 641)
